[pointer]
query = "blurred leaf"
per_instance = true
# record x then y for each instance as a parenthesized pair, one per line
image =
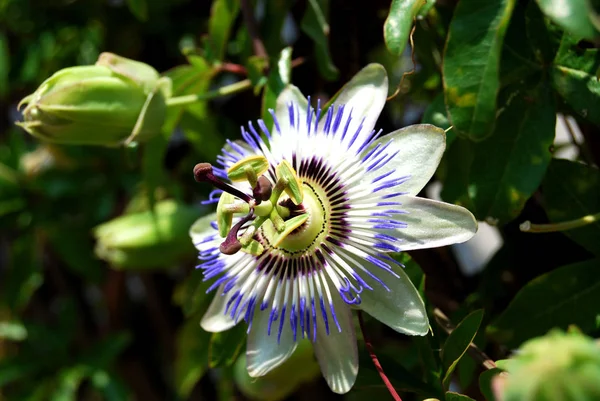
(458, 342)
(569, 295)
(485, 383)
(398, 24)
(451, 396)
(191, 361)
(225, 346)
(276, 30)
(314, 24)
(13, 331)
(574, 78)
(471, 64)
(572, 190)
(194, 298)
(256, 67)
(435, 114)
(222, 16)
(572, 15)
(111, 386)
(509, 166)
(24, 275)
(279, 77)
(103, 353)
(139, 8)
(75, 247)
(4, 65)
(18, 367)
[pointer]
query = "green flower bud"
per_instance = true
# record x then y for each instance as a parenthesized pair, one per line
(113, 102)
(147, 239)
(278, 384)
(558, 366)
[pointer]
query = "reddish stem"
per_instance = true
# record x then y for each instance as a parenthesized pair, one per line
(378, 366)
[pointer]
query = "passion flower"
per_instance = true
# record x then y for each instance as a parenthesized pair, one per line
(315, 207)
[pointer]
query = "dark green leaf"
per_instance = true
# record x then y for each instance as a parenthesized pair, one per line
(451, 396)
(509, 166)
(458, 342)
(222, 16)
(455, 170)
(314, 24)
(485, 383)
(565, 296)
(4, 65)
(191, 360)
(398, 24)
(574, 78)
(225, 346)
(571, 191)
(471, 64)
(572, 15)
(139, 8)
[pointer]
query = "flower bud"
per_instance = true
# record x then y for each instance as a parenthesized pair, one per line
(558, 366)
(147, 239)
(113, 102)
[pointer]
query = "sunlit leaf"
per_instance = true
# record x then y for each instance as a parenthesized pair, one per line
(458, 342)
(471, 64)
(572, 15)
(399, 22)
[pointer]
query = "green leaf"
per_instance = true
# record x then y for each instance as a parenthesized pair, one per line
(572, 15)
(574, 78)
(451, 396)
(314, 24)
(398, 24)
(485, 383)
(454, 172)
(458, 342)
(435, 114)
(222, 16)
(279, 77)
(4, 65)
(225, 346)
(471, 64)
(13, 331)
(509, 166)
(139, 8)
(572, 190)
(191, 360)
(569, 295)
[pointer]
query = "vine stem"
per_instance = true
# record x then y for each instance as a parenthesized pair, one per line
(222, 91)
(375, 360)
(529, 227)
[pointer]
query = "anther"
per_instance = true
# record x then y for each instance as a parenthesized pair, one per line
(263, 189)
(203, 172)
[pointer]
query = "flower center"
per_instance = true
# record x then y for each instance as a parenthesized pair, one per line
(303, 237)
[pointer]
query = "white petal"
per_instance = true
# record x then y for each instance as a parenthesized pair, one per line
(419, 151)
(215, 319)
(364, 96)
(431, 224)
(337, 352)
(202, 228)
(401, 308)
(263, 352)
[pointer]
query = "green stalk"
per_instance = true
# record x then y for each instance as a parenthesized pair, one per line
(222, 91)
(528, 227)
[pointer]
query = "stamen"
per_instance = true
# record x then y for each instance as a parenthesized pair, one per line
(263, 189)
(203, 172)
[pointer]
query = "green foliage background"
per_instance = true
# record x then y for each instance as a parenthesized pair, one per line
(74, 326)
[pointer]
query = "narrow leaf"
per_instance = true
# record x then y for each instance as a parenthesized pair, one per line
(566, 296)
(397, 26)
(471, 64)
(458, 342)
(225, 346)
(222, 16)
(314, 24)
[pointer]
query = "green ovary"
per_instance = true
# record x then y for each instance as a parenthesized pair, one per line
(309, 233)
